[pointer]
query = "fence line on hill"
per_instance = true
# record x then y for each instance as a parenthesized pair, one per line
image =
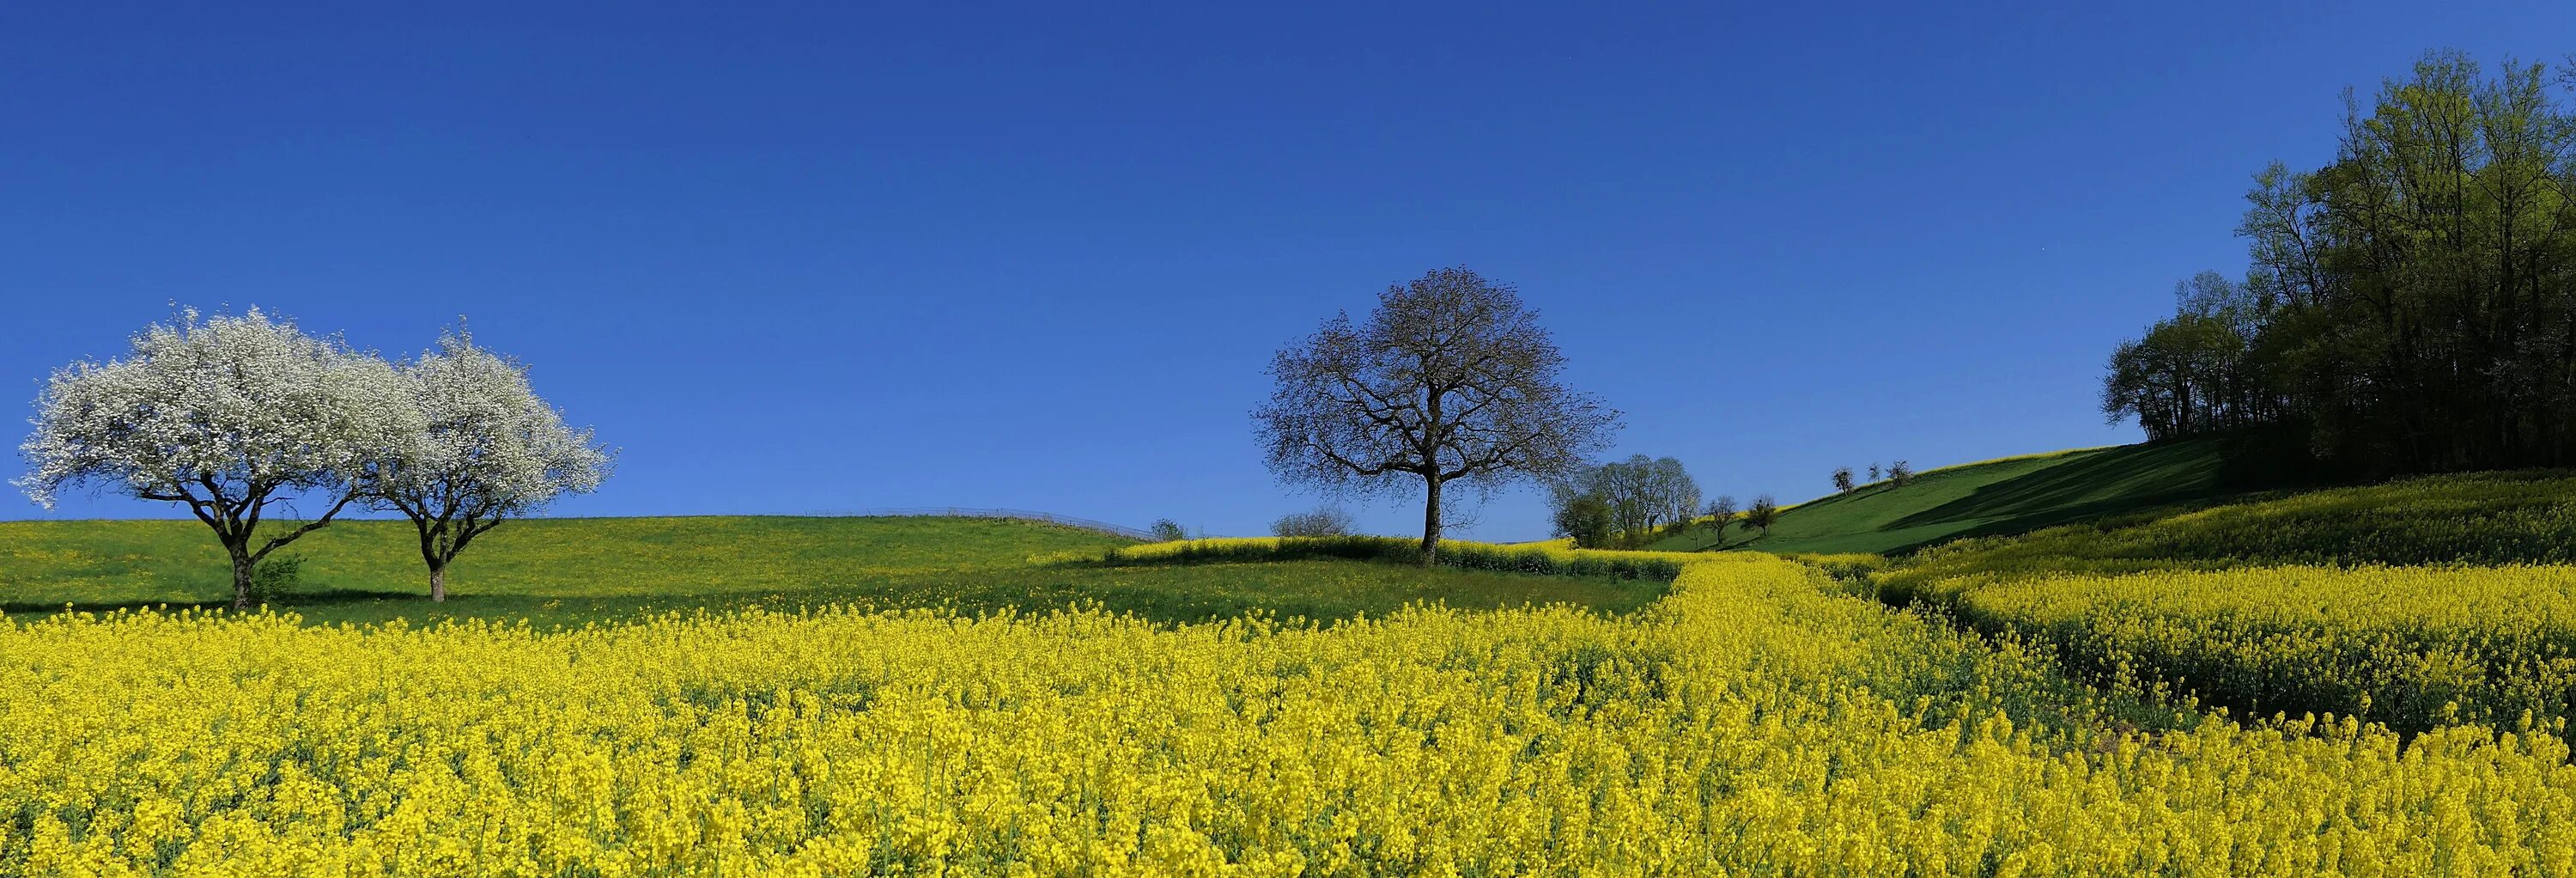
(967, 512)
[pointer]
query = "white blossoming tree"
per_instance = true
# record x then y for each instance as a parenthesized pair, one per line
(487, 449)
(230, 415)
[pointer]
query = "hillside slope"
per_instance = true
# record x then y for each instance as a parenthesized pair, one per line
(2006, 496)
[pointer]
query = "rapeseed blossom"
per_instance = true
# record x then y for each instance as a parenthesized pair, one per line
(1750, 723)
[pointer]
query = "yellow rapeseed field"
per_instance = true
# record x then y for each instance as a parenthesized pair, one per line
(2411, 647)
(1750, 723)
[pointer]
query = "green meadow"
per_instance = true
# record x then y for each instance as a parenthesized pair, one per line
(570, 571)
(2005, 496)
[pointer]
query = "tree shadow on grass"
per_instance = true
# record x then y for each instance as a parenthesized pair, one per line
(316, 598)
(2096, 485)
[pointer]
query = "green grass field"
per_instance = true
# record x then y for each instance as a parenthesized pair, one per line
(569, 571)
(2006, 496)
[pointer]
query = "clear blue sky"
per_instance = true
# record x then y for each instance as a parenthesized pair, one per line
(796, 258)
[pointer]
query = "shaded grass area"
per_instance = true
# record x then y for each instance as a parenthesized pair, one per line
(571, 571)
(2007, 496)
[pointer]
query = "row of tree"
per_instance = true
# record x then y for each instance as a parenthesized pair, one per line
(1898, 474)
(1629, 503)
(235, 417)
(1623, 503)
(2411, 306)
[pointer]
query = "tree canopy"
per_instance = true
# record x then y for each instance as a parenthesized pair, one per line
(230, 416)
(1637, 495)
(2411, 306)
(486, 449)
(1450, 382)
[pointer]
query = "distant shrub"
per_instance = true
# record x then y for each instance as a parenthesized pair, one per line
(1322, 521)
(276, 579)
(1538, 559)
(1166, 530)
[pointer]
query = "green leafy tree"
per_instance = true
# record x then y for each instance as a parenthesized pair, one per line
(2408, 307)
(1587, 519)
(1762, 514)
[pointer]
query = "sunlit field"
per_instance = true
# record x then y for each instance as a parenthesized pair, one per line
(1753, 722)
(2418, 604)
(569, 571)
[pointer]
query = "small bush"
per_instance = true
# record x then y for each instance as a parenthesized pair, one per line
(1545, 560)
(1323, 521)
(1166, 530)
(276, 579)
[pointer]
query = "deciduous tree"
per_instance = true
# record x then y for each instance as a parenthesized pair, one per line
(1763, 513)
(486, 450)
(231, 416)
(1721, 512)
(1642, 495)
(1586, 519)
(1322, 521)
(1450, 382)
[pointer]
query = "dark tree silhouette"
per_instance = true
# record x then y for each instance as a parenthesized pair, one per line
(1763, 513)
(1721, 512)
(1450, 382)
(1323, 521)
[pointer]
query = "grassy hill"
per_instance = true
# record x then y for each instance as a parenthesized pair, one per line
(575, 570)
(2467, 519)
(2006, 496)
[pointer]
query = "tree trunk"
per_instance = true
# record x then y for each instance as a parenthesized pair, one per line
(438, 582)
(1431, 524)
(243, 567)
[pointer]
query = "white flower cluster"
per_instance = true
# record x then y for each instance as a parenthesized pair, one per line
(224, 410)
(230, 414)
(489, 447)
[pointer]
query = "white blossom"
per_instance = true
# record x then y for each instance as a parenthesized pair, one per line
(227, 414)
(486, 449)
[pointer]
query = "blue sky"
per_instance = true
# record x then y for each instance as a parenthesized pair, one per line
(830, 256)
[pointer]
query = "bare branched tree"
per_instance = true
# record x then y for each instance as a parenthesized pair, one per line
(1451, 382)
(1721, 512)
(1322, 521)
